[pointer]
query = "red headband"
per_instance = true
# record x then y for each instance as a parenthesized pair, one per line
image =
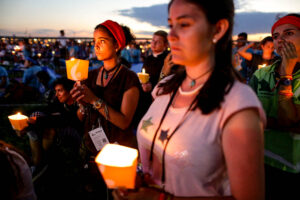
(287, 20)
(117, 32)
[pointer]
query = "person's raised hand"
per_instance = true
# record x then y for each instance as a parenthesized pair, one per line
(147, 87)
(289, 58)
(83, 94)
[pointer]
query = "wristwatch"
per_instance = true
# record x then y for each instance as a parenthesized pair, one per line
(285, 82)
(97, 104)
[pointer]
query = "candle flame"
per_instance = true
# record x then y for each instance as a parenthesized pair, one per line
(17, 116)
(117, 155)
(72, 58)
(143, 71)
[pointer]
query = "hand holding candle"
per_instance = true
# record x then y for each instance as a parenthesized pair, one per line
(143, 76)
(18, 121)
(117, 165)
(77, 69)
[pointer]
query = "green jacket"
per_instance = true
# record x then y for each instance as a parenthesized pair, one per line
(282, 149)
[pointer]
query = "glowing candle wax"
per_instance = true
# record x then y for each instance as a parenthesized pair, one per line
(143, 76)
(18, 121)
(261, 66)
(117, 165)
(77, 69)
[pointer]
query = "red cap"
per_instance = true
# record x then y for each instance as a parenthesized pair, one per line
(287, 20)
(117, 32)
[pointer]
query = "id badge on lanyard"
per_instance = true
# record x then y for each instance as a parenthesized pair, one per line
(98, 137)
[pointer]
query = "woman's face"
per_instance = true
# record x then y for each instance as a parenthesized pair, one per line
(286, 33)
(105, 47)
(61, 93)
(190, 35)
(268, 47)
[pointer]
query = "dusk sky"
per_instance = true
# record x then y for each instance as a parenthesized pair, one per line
(79, 17)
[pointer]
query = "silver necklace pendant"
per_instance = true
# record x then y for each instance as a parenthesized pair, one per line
(106, 75)
(192, 83)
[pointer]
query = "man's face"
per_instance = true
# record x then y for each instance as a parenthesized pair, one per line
(241, 41)
(158, 44)
(61, 93)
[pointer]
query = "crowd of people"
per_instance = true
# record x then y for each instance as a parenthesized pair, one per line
(216, 120)
(17, 55)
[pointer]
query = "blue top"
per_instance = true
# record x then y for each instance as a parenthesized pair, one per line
(3, 73)
(244, 70)
(30, 78)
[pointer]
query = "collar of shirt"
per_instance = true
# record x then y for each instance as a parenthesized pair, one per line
(157, 54)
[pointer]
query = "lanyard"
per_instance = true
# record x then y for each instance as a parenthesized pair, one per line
(163, 178)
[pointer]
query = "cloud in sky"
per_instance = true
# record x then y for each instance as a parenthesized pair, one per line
(255, 22)
(250, 22)
(155, 15)
(143, 17)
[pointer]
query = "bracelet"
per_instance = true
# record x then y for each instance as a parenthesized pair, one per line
(165, 196)
(287, 76)
(289, 94)
(82, 109)
(285, 81)
(98, 104)
(106, 112)
(162, 75)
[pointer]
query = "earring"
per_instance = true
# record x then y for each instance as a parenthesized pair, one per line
(214, 40)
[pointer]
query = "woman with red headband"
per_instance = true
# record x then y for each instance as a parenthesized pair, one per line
(278, 88)
(110, 96)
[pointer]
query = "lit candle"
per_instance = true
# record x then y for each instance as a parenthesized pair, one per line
(261, 66)
(18, 121)
(17, 48)
(144, 77)
(117, 165)
(77, 69)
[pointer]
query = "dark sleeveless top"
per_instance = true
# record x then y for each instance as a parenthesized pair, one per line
(112, 95)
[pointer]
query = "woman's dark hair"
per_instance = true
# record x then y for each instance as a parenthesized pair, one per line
(294, 14)
(223, 75)
(290, 14)
(127, 32)
(66, 83)
(266, 39)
